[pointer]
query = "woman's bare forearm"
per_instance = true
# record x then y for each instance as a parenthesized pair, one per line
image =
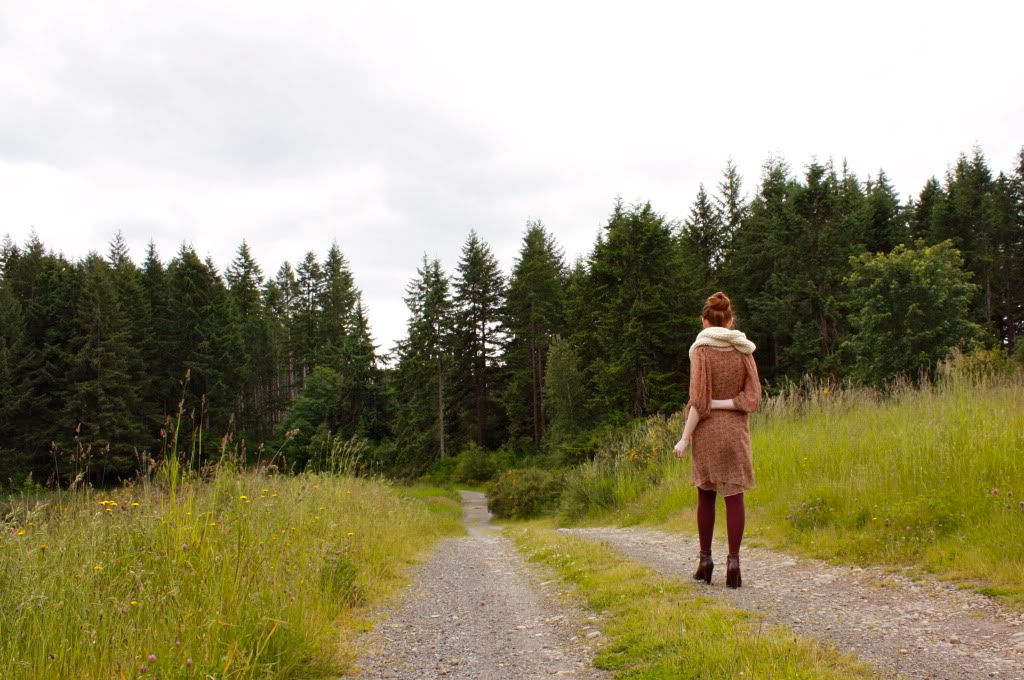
(723, 404)
(691, 423)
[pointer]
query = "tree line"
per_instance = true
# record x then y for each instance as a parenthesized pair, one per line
(834, 277)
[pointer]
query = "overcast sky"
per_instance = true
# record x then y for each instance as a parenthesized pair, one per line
(395, 128)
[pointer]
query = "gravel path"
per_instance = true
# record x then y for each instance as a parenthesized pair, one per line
(909, 628)
(477, 610)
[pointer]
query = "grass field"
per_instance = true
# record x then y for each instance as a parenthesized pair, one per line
(932, 478)
(243, 576)
(661, 629)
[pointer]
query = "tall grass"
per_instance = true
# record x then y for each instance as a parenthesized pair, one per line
(245, 575)
(932, 477)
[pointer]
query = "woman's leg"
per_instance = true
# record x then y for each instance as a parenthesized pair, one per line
(735, 518)
(705, 518)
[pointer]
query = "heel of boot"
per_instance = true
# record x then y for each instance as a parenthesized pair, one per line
(704, 568)
(733, 576)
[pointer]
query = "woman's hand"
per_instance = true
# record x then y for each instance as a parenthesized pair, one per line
(681, 446)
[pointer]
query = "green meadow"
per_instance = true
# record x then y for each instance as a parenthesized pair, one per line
(929, 477)
(241, 576)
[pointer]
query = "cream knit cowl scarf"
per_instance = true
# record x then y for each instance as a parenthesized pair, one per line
(717, 336)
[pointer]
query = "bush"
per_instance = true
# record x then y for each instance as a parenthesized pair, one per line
(474, 465)
(980, 363)
(523, 493)
(589, 488)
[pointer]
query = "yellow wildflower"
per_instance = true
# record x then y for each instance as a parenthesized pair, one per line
(98, 567)
(244, 498)
(21, 532)
(135, 504)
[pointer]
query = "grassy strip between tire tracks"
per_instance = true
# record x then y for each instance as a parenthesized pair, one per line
(660, 628)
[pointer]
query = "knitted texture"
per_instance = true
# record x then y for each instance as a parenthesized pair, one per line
(717, 336)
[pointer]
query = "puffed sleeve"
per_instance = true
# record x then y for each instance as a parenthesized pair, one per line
(700, 383)
(750, 398)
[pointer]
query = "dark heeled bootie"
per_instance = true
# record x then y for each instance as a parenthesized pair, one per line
(733, 579)
(704, 567)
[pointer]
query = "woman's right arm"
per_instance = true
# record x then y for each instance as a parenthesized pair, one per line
(700, 399)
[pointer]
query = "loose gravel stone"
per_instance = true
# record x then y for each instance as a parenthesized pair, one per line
(477, 610)
(912, 628)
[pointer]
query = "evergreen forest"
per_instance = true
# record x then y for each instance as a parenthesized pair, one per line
(108, 363)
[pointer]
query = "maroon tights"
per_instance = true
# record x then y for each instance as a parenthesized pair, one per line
(735, 518)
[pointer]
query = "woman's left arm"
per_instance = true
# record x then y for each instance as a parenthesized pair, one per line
(750, 398)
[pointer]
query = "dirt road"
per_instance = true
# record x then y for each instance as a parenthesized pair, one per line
(477, 610)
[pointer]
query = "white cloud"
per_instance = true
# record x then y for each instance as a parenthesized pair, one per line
(395, 128)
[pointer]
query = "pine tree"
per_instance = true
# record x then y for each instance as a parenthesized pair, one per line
(750, 264)
(362, 408)
(1006, 214)
(196, 309)
(308, 314)
(132, 299)
(160, 391)
(968, 222)
(564, 389)
(787, 264)
(731, 203)
(924, 213)
(480, 334)
(581, 320)
(704, 234)
(8, 252)
(46, 287)
(640, 314)
(282, 303)
(829, 227)
(250, 332)
(885, 226)
(336, 303)
(225, 348)
(424, 368)
(11, 340)
(1013, 267)
(534, 314)
(102, 400)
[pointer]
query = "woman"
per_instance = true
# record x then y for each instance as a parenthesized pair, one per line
(724, 388)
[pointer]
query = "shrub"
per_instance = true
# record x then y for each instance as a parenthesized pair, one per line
(980, 363)
(589, 488)
(474, 465)
(523, 493)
